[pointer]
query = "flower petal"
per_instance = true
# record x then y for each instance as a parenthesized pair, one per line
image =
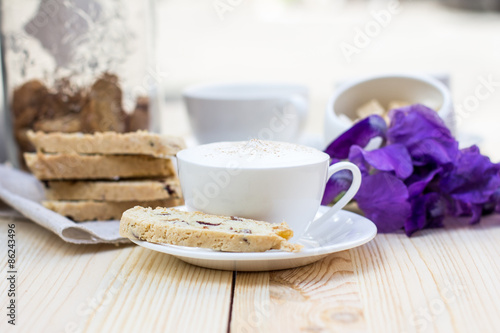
(384, 200)
(359, 134)
(474, 179)
(495, 201)
(338, 183)
(424, 134)
(460, 208)
(393, 157)
(427, 212)
(356, 157)
(477, 211)
(420, 178)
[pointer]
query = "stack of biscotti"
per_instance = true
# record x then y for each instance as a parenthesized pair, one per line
(99, 176)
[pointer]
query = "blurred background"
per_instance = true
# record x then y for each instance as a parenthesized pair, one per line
(321, 43)
(318, 43)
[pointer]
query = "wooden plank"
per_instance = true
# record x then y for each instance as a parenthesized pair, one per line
(89, 288)
(154, 292)
(54, 277)
(439, 281)
(320, 297)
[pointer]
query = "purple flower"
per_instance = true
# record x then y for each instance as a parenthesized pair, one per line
(493, 204)
(420, 179)
(338, 183)
(472, 184)
(424, 134)
(428, 211)
(461, 208)
(394, 157)
(384, 200)
(419, 175)
(474, 178)
(359, 134)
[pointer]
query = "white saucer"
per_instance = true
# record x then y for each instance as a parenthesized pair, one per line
(346, 231)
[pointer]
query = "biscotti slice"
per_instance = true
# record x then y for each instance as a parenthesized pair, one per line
(125, 190)
(221, 233)
(80, 211)
(108, 143)
(72, 166)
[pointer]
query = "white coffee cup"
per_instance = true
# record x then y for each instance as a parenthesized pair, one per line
(262, 180)
(244, 111)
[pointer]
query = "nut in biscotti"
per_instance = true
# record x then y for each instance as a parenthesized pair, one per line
(196, 229)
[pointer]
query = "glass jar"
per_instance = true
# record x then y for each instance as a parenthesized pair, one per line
(77, 66)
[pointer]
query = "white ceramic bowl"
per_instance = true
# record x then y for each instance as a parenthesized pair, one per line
(341, 109)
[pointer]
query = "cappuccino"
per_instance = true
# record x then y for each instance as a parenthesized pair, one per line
(253, 154)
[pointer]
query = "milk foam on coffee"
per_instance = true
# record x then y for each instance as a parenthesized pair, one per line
(253, 154)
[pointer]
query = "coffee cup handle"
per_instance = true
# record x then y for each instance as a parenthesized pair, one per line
(351, 192)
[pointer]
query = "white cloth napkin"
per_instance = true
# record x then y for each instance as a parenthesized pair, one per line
(24, 192)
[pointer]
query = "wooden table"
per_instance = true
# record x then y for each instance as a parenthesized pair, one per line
(439, 281)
